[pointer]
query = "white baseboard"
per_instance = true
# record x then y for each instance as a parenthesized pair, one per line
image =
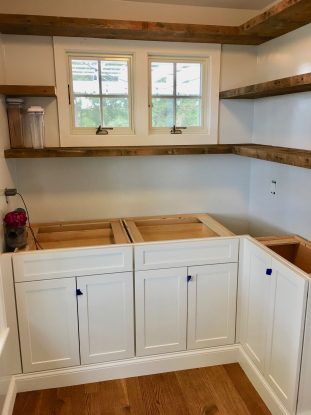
(10, 398)
(261, 385)
(137, 366)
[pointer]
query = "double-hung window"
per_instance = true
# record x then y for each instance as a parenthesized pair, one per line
(101, 94)
(177, 102)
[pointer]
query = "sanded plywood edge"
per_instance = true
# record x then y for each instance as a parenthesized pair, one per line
(214, 224)
(133, 231)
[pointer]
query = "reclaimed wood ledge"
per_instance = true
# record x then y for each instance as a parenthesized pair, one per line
(119, 151)
(283, 155)
(28, 90)
(289, 85)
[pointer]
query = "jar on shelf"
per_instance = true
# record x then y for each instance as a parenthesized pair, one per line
(35, 117)
(15, 110)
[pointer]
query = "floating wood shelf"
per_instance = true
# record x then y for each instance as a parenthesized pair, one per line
(290, 85)
(283, 17)
(119, 151)
(283, 155)
(28, 90)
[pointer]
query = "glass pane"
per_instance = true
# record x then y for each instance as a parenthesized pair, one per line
(188, 112)
(87, 112)
(114, 75)
(115, 112)
(162, 78)
(162, 112)
(188, 78)
(85, 76)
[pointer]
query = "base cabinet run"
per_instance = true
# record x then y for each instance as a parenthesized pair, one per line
(272, 320)
(185, 308)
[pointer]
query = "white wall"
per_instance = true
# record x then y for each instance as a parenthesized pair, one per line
(65, 189)
(282, 121)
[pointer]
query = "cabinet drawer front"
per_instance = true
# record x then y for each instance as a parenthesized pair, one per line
(42, 265)
(166, 255)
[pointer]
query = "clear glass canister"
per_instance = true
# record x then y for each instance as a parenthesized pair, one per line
(35, 117)
(15, 109)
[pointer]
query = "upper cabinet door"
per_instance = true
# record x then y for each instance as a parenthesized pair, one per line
(211, 305)
(254, 296)
(285, 335)
(106, 317)
(48, 324)
(161, 310)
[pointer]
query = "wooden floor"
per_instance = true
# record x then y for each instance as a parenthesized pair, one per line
(217, 390)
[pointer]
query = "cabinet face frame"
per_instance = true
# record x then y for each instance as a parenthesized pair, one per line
(59, 302)
(113, 316)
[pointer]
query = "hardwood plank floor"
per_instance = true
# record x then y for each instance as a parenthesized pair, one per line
(217, 390)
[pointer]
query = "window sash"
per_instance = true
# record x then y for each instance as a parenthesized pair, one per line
(174, 96)
(101, 95)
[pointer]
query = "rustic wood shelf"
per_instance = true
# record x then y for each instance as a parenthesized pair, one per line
(289, 85)
(281, 18)
(28, 90)
(283, 155)
(119, 151)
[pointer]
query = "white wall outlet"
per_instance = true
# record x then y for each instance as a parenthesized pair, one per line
(273, 187)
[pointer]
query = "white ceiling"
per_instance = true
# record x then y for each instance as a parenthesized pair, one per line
(232, 4)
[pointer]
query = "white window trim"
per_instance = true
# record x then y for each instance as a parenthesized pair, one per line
(91, 131)
(141, 51)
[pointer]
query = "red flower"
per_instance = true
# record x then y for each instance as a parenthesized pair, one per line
(15, 219)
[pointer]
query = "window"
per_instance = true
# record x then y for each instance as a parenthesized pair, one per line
(176, 94)
(101, 93)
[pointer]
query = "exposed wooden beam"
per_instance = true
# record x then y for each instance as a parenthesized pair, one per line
(121, 29)
(283, 17)
(283, 155)
(290, 85)
(28, 90)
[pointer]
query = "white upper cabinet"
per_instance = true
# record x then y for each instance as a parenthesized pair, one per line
(48, 324)
(161, 311)
(106, 317)
(211, 305)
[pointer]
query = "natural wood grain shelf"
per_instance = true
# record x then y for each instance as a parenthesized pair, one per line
(281, 18)
(290, 85)
(28, 90)
(118, 151)
(283, 155)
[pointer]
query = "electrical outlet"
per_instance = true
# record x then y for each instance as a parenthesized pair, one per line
(273, 187)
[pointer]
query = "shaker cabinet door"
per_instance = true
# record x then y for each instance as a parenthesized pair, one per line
(48, 324)
(106, 317)
(161, 310)
(212, 293)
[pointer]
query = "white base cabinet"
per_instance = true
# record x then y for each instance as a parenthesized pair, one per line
(48, 324)
(273, 310)
(185, 308)
(211, 305)
(106, 317)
